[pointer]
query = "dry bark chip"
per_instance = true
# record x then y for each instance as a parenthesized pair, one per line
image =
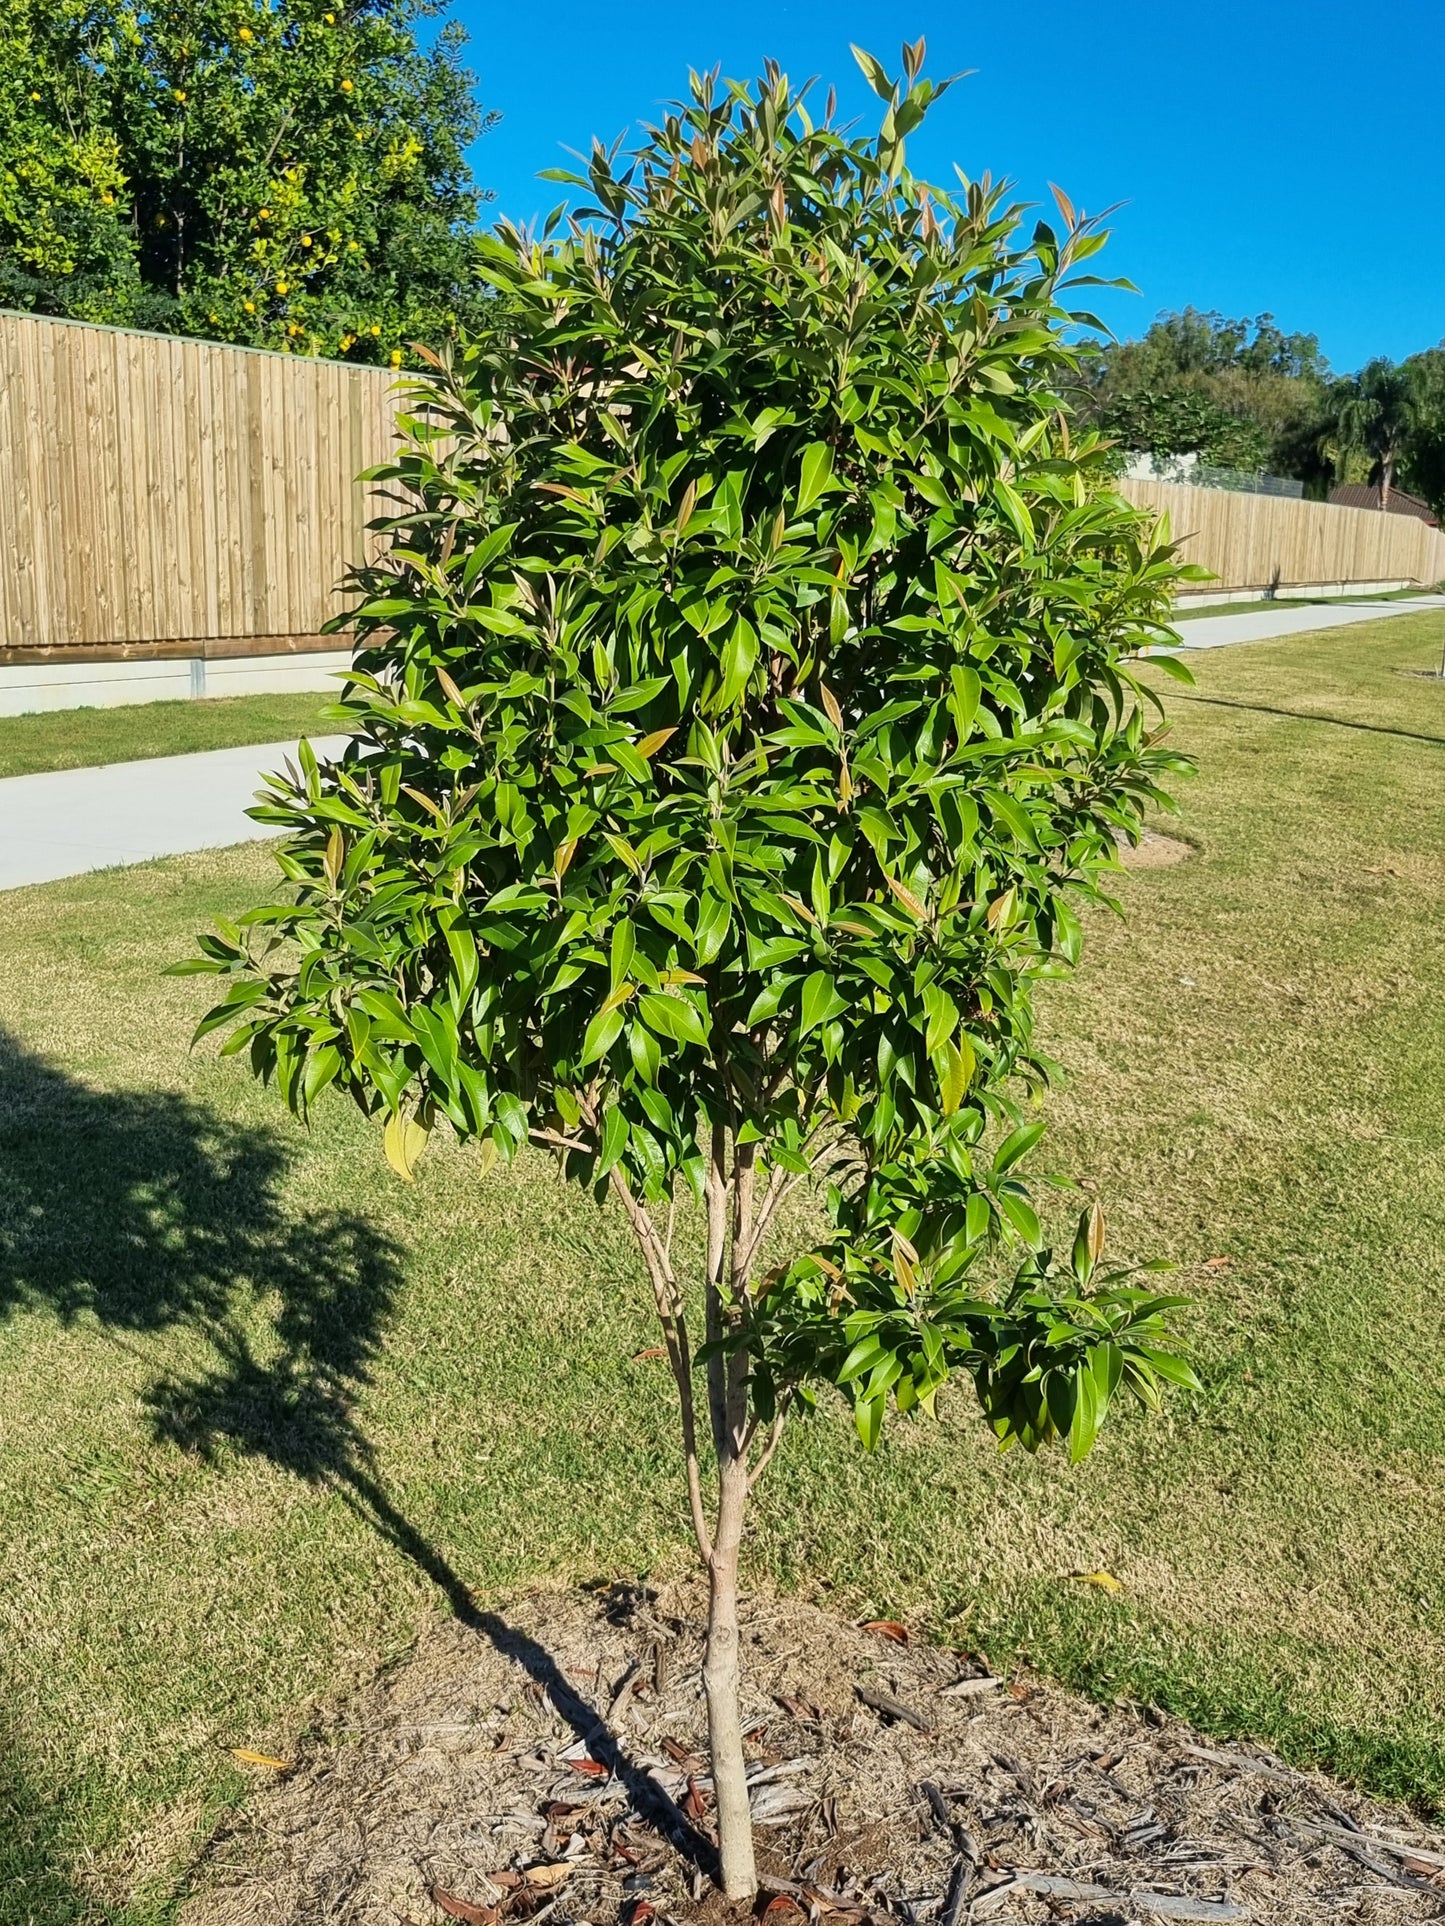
(991, 1808)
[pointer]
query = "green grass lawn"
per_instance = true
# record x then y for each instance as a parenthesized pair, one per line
(259, 1397)
(81, 738)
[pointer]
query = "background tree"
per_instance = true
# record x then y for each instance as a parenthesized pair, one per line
(744, 704)
(1374, 417)
(1183, 422)
(63, 217)
(288, 173)
(1200, 372)
(1422, 468)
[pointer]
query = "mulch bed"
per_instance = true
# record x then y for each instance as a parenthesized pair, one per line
(1154, 850)
(551, 1763)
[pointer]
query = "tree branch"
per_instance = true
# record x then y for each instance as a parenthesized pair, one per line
(781, 1186)
(717, 1230)
(775, 1437)
(679, 1354)
(556, 1139)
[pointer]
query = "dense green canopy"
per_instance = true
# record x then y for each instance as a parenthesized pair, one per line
(286, 173)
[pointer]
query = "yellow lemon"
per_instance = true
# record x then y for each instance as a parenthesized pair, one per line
(346, 86)
(352, 246)
(263, 213)
(249, 306)
(396, 357)
(305, 240)
(375, 329)
(181, 95)
(283, 287)
(246, 34)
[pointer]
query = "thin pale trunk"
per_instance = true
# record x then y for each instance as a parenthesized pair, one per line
(1387, 480)
(721, 1678)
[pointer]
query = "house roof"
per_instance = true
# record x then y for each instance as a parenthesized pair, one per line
(1367, 495)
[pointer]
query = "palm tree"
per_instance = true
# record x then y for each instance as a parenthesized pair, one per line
(1374, 418)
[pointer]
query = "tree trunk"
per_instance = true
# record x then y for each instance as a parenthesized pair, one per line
(1387, 481)
(720, 1677)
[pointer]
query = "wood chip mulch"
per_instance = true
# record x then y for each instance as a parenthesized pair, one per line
(549, 1761)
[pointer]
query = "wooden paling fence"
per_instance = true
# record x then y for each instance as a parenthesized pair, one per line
(157, 491)
(1263, 542)
(166, 495)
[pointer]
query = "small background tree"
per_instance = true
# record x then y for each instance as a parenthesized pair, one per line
(745, 704)
(284, 173)
(1374, 417)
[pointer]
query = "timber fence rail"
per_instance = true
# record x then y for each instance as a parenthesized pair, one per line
(1267, 542)
(161, 491)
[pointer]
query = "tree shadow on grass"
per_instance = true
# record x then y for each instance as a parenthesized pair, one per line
(150, 1213)
(35, 1888)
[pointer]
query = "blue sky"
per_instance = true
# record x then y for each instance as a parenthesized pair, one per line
(1276, 156)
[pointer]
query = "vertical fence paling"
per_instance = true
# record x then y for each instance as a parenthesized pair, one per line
(1264, 541)
(154, 489)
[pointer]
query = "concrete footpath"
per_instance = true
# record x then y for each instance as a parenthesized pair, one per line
(1294, 618)
(68, 821)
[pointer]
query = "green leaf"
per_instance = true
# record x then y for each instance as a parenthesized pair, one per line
(868, 1420)
(873, 73)
(739, 655)
(821, 1001)
(673, 1016)
(966, 690)
(614, 1141)
(602, 1032)
(1017, 1145)
(817, 473)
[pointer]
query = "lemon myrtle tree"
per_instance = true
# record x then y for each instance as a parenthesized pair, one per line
(745, 704)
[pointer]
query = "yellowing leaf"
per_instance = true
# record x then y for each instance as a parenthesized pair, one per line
(830, 705)
(335, 854)
(1105, 1581)
(906, 897)
(650, 745)
(425, 801)
(959, 1063)
(616, 997)
(1096, 1230)
(623, 851)
(247, 1757)
(451, 688)
(1001, 909)
(802, 909)
(681, 976)
(404, 1140)
(562, 860)
(845, 786)
(904, 1272)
